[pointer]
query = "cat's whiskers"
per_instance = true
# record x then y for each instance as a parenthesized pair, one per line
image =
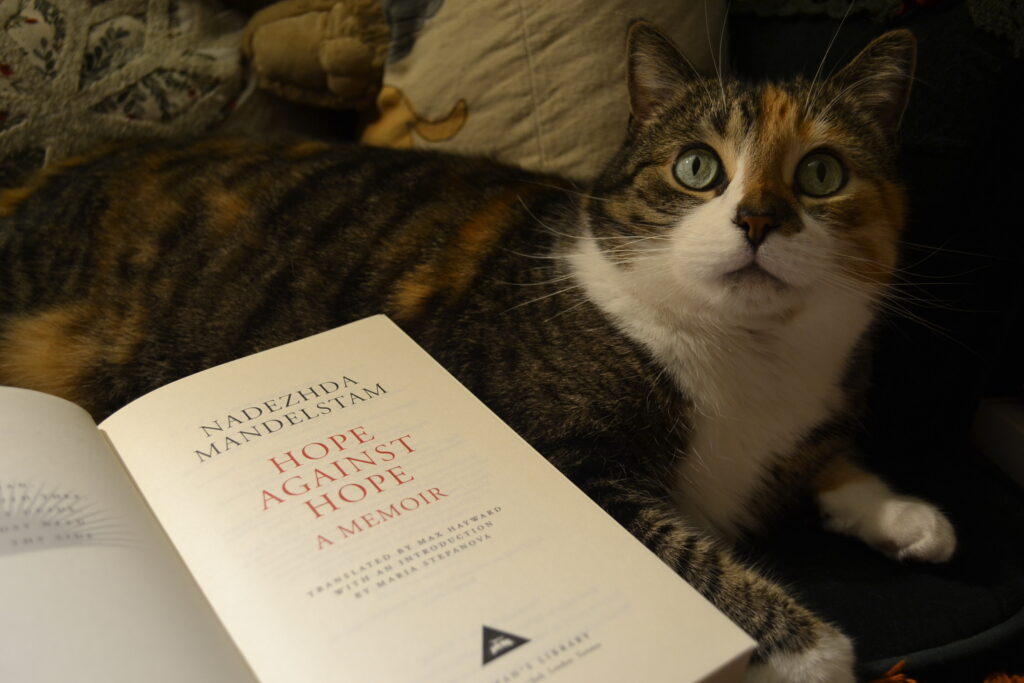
(903, 274)
(546, 256)
(711, 50)
(883, 303)
(574, 190)
(538, 283)
(663, 227)
(700, 78)
(603, 238)
(823, 113)
(905, 292)
(557, 292)
(811, 95)
(629, 247)
(640, 238)
(582, 235)
(583, 300)
(893, 307)
(934, 252)
(946, 250)
(887, 301)
(721, 36)
(547, 227)
(902, 287)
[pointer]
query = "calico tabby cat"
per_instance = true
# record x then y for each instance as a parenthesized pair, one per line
(684, 339)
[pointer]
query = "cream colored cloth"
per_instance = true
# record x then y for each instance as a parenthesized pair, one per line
(536, 83)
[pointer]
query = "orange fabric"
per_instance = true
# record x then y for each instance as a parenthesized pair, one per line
(893, 675)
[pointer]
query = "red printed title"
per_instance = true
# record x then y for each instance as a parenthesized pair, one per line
(334, 473)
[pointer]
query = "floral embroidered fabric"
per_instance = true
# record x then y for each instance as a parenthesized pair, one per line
(76, 73)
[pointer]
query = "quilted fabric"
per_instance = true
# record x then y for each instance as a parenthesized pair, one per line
(76, 73)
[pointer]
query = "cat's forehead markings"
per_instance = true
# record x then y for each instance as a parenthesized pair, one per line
(775, 104)
(779, 136)
(728, 140)
(781, 117)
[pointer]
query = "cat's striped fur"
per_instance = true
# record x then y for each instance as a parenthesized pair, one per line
(624, 329)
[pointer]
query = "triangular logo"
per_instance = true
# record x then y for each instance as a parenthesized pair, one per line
(498, 643)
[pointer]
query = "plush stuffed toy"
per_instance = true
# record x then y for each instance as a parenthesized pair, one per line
(536, 83)
(328, 53)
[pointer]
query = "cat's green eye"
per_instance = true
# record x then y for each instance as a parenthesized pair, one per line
(820, 174)
(697, 168)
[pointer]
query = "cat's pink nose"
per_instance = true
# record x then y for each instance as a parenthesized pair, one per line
(756, 227)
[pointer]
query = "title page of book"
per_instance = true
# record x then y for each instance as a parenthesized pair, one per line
(353, 513)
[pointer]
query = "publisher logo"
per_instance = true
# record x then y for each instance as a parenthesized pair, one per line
(498, 643)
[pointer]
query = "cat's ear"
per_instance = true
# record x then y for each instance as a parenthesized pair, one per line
(655, 69)
(880, 77)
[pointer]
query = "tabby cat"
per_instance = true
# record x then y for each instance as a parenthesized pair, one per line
(684, 338)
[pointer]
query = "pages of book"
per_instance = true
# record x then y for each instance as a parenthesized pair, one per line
(90, 588)
(353, 513)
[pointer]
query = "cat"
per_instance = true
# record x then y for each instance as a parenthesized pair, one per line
(685, 338)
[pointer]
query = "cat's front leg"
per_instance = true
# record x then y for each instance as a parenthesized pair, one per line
(858, 503)
(794, 645)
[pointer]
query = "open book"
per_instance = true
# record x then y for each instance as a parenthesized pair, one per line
(338, 508)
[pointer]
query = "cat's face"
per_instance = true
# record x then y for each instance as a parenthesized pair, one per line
(747, 199)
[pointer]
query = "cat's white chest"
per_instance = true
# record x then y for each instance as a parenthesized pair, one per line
(759, 383)
(756, 397)
(757, 411)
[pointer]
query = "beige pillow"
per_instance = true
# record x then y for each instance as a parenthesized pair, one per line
(536, 83)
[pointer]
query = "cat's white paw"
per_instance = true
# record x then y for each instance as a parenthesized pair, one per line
(902, 527)
(830, 660)
(911, 529)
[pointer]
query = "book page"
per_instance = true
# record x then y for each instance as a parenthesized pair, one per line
(353, 512)
(91, 589)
